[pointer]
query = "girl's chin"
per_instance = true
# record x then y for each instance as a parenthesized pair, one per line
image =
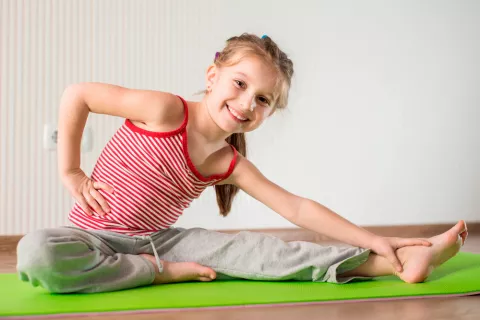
(230, 127)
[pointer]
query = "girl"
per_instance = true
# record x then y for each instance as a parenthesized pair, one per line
(164, 155)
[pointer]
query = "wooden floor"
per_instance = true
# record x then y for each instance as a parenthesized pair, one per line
(434, 308)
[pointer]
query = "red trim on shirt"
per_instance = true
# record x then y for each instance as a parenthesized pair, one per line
(197, 173)
(182, 127)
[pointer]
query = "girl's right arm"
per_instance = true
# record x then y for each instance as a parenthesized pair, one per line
(153, 108)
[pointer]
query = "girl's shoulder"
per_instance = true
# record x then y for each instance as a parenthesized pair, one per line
(168, 113)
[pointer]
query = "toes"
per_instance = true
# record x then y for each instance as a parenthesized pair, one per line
(459, 227)
(456, 230)
(185, 271)
(204, 279)
(195, 271)
(464, 235)
(201, 270)
(208, 273)
(204, 275)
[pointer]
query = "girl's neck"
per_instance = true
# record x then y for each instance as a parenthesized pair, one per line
(203, 126)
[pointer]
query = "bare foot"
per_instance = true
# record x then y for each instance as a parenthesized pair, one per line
(180, 271)
(418, 262)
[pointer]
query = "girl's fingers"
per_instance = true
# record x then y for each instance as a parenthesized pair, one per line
(101, 200)
(413, 242)
(395, 262)
(93, 203)
(423, 242)
(83, 203)
(103, 186)
(427, 243)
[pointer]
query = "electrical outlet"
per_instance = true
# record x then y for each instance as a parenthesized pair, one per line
(50, 138)
(87, 140)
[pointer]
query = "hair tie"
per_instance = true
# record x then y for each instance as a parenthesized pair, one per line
(217, 54)
(264, 36)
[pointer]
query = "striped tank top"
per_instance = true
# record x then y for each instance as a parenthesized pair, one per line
(153, 178)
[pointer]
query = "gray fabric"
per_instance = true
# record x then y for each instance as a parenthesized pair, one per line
(70, 259)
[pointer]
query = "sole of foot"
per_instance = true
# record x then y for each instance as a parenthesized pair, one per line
(418, 262)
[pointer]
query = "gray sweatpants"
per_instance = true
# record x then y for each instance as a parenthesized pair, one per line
(70, 259)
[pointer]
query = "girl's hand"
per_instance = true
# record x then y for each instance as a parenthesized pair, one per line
(84, 190)
(386, 247)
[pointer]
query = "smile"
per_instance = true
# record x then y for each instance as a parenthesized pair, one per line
(235, 114)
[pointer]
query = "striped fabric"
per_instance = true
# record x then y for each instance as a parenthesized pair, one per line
(153, 178)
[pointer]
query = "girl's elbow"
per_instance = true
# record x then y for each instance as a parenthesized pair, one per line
(72, 95)
(72, 90)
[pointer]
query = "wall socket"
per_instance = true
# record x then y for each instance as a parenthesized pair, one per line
(50, 138)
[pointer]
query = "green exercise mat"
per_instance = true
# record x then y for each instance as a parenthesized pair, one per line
(459, 276)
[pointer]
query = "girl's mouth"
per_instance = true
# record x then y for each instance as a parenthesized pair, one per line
(235, 115)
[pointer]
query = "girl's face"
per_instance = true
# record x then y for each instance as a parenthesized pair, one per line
(242, 95)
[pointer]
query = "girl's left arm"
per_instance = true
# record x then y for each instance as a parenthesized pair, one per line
(313, 216)
(300, 211)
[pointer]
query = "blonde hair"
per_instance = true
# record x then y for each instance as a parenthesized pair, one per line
(236, 49)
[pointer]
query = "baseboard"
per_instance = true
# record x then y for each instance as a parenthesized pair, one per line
(8, 244)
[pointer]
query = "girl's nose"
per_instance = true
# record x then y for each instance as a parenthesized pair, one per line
(245, 107)
(247, 103)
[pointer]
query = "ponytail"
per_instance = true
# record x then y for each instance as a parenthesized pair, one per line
(226, 192)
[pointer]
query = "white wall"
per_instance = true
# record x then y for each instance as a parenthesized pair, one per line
(381, 125)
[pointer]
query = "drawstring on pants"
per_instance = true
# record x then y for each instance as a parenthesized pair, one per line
(157, 258)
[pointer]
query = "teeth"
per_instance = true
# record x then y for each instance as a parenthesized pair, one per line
(239, 117)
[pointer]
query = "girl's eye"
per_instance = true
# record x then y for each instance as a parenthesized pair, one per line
(239, 83)
(264, 100)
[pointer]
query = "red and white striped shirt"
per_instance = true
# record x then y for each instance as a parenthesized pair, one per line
(153, 179)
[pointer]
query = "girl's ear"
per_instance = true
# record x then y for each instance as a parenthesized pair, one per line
(211, 74)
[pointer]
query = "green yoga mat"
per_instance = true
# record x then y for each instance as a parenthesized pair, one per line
(459, 276)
